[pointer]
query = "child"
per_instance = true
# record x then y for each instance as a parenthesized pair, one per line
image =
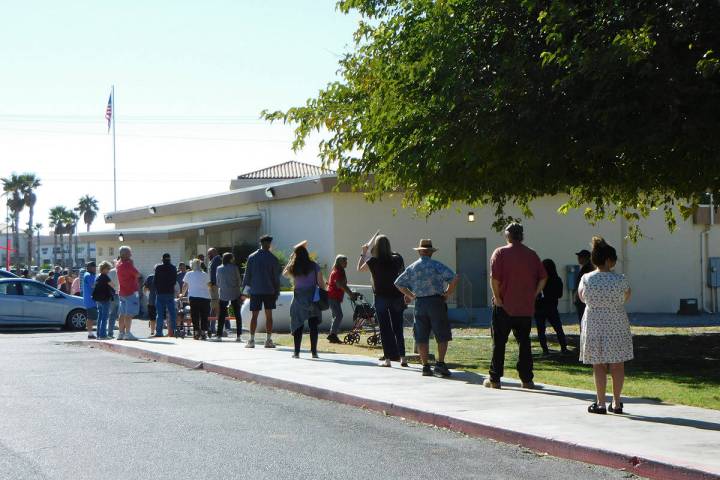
(103, 294)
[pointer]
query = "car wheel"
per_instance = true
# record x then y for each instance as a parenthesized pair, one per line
(76, 320)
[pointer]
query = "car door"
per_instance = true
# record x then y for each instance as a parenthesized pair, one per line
(11, 303)
(40, 305)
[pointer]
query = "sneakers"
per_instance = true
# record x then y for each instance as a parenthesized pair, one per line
(121, 336)
(215, 339)
(442, 369)
(250, 344)
(333, 338)
(403, 362)
(269, 343)
(129, 336)
(295, 355)
(91, 336)
(529, 385)
(110, 337)
(238, 339)
(315, 355)
(384, 363)
(427, 371)
(490, 384)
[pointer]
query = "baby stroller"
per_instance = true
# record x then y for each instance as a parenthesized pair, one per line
(184, 324)
(364, 320)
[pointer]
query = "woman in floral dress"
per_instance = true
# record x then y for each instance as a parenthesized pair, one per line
(605, 339)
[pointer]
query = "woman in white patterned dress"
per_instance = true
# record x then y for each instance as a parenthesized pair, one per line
(605, 339)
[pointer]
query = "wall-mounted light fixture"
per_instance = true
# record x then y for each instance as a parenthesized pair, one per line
(121, 238)
(108, 218)
(471, 217)
(270, 192)
(152, 210)
(201, 232)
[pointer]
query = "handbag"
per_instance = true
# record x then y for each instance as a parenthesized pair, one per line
(321, 299)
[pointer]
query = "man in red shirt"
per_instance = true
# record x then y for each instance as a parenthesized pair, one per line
(128, 292)
(518, 277)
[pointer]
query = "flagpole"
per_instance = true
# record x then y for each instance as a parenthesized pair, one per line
(112, 94)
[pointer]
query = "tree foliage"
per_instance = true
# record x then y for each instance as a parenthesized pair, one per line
(615, 103)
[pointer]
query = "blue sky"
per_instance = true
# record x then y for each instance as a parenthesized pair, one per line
(191, 79)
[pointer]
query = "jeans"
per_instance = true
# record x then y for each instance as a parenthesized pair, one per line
(502, 325)
(337, 315)
(223, 315)
(313, 323)
(114, 304)
(165, 301)
(103, 313)
(552, 315)
(390, 317)
(199, 311)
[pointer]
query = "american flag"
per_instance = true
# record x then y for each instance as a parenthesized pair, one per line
(108, 111)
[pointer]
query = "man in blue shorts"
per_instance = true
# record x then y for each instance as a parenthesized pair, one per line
(430, 283)
(262, 280)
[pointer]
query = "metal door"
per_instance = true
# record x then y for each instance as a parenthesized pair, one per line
(471, 260)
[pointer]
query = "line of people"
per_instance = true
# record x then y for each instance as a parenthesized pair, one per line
(523, 287)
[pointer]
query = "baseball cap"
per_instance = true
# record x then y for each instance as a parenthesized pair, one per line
(582, 253)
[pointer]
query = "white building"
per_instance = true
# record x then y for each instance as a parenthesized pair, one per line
(663, 268)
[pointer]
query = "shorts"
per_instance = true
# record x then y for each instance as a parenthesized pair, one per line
(130, 305)
(257, 302)
(92, 313)
(431, 315)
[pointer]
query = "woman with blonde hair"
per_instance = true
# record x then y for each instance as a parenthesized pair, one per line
(605, 339)
(196, 284)
(306, 277)
(385, 266)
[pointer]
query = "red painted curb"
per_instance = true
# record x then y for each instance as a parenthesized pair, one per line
(637, 465)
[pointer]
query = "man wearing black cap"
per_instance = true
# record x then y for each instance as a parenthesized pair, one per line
(165, 281)
(88, 283)
(586, 266)
(518, 277)
(262, 280)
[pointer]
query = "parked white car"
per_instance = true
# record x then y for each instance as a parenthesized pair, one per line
(281, 315)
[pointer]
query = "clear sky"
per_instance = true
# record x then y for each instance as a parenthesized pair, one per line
(190, 78)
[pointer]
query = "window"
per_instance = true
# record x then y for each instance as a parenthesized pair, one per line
(99, 252)
(9, 288)
(111, 251)
(35, 290)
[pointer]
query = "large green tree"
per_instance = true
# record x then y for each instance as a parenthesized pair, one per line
(615, 103)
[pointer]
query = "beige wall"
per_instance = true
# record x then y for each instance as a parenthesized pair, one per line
(146, 253)
(662, 267)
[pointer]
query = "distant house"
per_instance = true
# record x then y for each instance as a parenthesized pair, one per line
(295, 201)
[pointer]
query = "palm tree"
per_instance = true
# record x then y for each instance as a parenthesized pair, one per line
(12, 189)
(71, 220)
(38, 228)
(29, 183)
(57, 219)
(88, 208)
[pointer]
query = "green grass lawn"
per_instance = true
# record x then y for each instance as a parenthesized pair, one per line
(674, 365)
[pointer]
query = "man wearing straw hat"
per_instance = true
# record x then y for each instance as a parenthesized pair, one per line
(430, 283)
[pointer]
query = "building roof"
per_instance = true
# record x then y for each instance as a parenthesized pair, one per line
(170, 231)
(287, 170)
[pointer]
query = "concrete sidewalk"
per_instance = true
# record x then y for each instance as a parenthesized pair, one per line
(652, 440)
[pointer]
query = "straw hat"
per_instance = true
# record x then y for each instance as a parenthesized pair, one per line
(425, 245)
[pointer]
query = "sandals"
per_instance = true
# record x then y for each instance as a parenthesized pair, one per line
(595, 408)
(616, 409)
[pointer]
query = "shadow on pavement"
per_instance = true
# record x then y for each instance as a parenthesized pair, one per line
(681, 422)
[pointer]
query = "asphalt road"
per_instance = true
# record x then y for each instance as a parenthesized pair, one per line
(69, 412)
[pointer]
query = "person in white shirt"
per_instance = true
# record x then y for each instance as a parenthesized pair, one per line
(197, 286)
(115, 303)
